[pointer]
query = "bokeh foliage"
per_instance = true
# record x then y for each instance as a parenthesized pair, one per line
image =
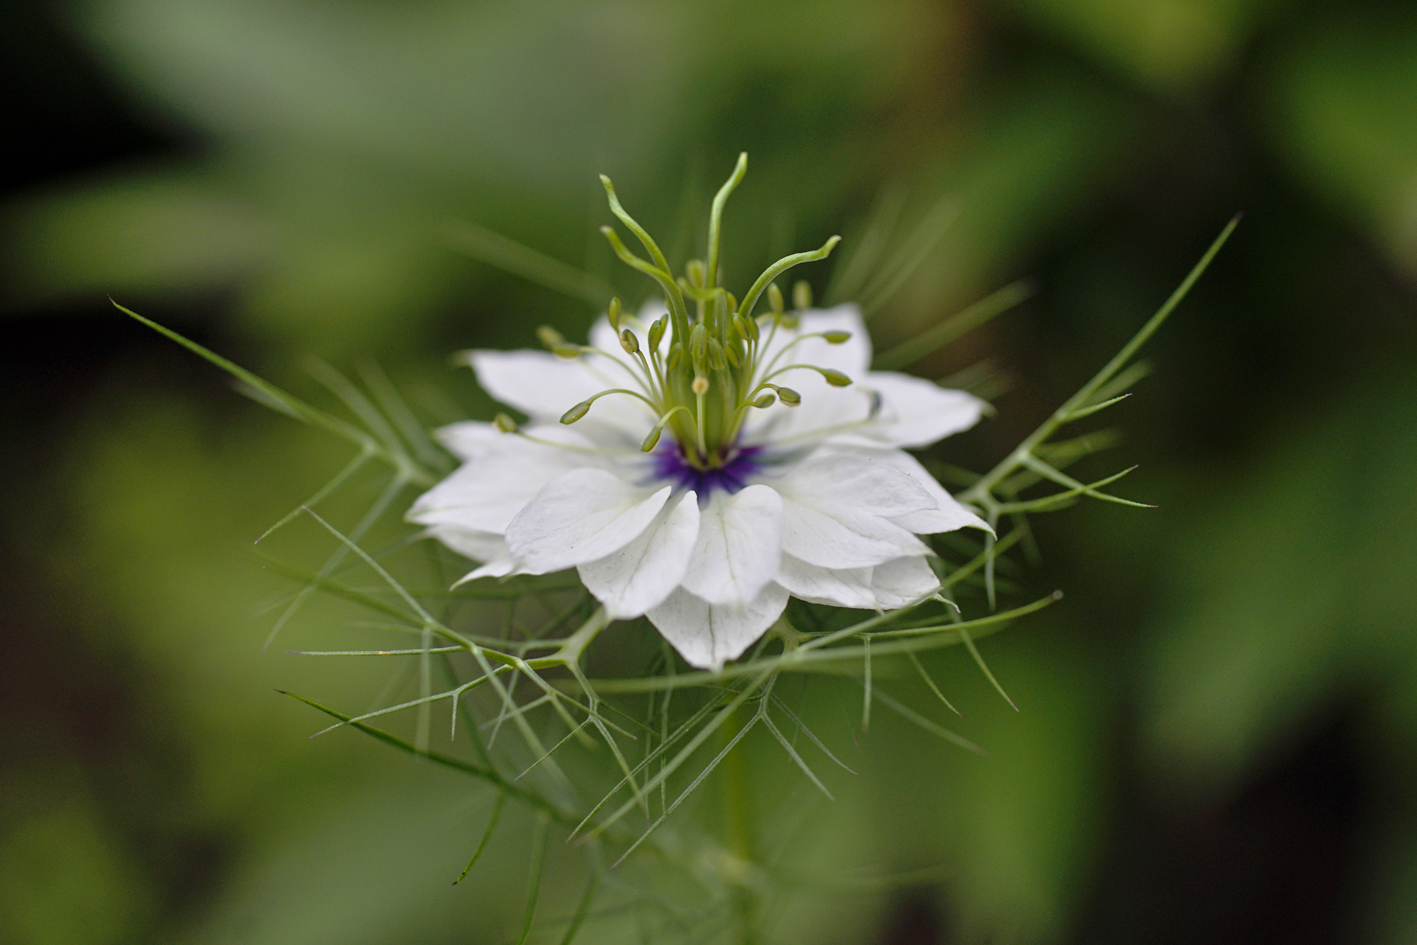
(325, 153)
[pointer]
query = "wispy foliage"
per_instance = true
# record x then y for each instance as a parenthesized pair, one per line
(661, 729)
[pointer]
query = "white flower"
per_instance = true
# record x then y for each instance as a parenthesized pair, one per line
(706, 531)
(759, 491)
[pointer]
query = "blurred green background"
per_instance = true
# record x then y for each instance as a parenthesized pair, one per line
(1218, 730)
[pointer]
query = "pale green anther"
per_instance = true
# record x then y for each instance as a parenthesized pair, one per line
(750, 325)
(790, 320)
(766, 400)
(629, 342)
(698, 348)
(716, 358)
(836, 337)
(676, 355)
(696, 271)
(801, 296)
(567, 351)
(787, 395)
(835, 378)
(774, 298)
(576, 412)
(505, 423)
(720, 309)
(613, 313)
(650, 440)
(656, 332)
(731, 353)
(549, 337)
(732, 301)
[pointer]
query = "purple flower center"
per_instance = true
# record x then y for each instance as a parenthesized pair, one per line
(669, 465)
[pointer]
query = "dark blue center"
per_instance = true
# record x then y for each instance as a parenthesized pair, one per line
(669, 465)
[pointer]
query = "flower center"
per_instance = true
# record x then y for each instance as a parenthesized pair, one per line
(730, 475)
(701, 372)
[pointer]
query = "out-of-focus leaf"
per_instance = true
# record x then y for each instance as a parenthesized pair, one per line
(1294, 587)
(1012, 834)
(1042, 146)
(375, 867)
(1171, 46)
(65, 879)
(147, 231)
(1343, 118)
(160, 510)
(355, 133)
(517, 99)
(1028, 814)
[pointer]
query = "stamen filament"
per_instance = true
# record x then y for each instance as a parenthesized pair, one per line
(653, 436)
(656, 387)
(794, 342)
(575, 414)
(834, 377)
(573, 447)
(638, 378)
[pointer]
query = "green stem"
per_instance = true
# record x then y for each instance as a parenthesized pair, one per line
(738, 823)
(574, 645)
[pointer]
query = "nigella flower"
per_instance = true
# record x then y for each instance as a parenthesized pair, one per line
(757, 492)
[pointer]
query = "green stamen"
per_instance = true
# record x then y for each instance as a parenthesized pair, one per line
(582, 408)
(713, 371)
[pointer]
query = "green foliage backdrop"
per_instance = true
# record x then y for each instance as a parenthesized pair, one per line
(330, 180)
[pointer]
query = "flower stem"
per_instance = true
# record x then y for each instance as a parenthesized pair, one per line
(738, 825)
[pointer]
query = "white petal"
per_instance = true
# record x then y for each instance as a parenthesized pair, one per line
(544, 386)
(470, 439)
(948, 514)
(580, 516)
(738, 546)
(842, 537)
(640, 575)
(469, 542)
(538, 383)
(838, 506)
(914, 411)
(487, 491)
(707, 636)
(500, 566)
(846, 587)
(902, 581)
